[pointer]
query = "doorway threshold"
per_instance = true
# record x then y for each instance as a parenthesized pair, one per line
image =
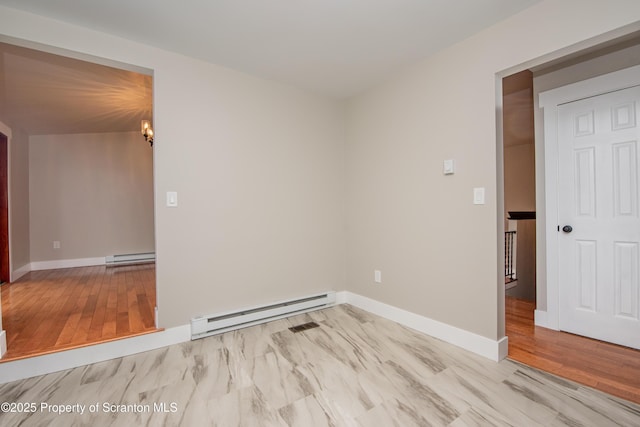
(8, 357)
(607, 367)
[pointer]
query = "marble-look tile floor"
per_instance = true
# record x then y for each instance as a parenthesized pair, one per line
(356, 369)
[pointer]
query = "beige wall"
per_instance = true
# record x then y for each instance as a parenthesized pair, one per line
(262, 192)
(91, 192)
(519, 178)
(19, 199)
(439, 254)
(261, 215)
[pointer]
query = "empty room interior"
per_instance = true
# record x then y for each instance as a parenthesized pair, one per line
(84, 196)
(332, 213)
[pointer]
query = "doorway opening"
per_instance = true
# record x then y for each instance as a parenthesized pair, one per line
(578, 358)
(80, 193)
(519, 186)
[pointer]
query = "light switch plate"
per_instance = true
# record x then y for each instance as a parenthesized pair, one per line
(478, 196)
(377, 276)
(172, 199)
(448, 167)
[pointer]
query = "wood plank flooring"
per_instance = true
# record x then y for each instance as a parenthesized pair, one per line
(52, 310)
(356, 369)
(607, 367)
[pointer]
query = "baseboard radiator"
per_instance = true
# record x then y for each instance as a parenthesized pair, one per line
(128, 259)
(204, 326)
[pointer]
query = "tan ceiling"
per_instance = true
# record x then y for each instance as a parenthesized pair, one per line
(42, 93)
(518, 118)
(517, 105)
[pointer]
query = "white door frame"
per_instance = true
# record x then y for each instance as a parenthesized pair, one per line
(549, 102)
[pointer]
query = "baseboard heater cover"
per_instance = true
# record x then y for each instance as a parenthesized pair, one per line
(125, 259)
(204, 326)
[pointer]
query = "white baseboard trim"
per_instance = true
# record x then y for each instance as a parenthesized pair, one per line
(491, 349)
(40, 365)
(541, 318)
(503, 348)
(18, 273)
(342, 297)
(3, 343)
(66, 263)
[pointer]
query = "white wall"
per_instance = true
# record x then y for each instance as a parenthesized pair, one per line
(261, 199)
(93, 193)
(439, 254)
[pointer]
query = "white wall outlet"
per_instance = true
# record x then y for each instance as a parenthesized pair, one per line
(56, 244)
(448, 167)
(478, 196)
(377, 276)
(172, 199)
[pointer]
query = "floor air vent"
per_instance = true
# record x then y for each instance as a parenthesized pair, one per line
(303, 327)
(204, 326)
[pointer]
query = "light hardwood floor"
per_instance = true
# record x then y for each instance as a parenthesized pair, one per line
(608, 367)
(52, 310)
(356, 369)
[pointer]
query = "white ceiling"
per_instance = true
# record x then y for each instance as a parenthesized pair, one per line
(333, 47)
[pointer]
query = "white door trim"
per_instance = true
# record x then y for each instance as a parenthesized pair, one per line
(549, 102)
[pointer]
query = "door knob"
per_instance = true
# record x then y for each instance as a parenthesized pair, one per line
(567, 229)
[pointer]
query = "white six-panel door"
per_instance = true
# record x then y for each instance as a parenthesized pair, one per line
(598, 183)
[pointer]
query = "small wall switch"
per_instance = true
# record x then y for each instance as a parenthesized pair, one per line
(448, 167)
(56, 244)
(377, 276)
(478, 196)
(172, 199)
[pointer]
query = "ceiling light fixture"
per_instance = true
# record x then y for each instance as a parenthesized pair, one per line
(147, 131)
